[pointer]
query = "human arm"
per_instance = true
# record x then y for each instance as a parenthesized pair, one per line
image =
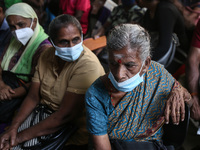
(165, 21)
(15, 93)
(5, 90)
(102, 30)
(101, 142)
(71, 106)
(175, 105)
(26, 108)
(81, 7)
(192, 78)
(78, 14)
(21, 91)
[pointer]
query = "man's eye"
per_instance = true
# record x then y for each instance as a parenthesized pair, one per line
(75, 40)
(64, 43)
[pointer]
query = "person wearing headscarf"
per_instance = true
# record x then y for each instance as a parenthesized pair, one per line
(23, 51)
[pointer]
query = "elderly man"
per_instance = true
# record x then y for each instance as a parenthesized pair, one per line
(127, 105)
(62, 76)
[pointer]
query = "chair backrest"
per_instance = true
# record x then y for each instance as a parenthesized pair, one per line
(94, 44)
(175, 134)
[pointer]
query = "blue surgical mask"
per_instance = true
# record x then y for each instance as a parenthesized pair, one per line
(128, 85)
(69, 54)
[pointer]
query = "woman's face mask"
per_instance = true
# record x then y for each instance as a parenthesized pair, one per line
(129, 84)
(125, 69)
(23, 35)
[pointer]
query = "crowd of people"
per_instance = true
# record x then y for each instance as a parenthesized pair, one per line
(56, 94)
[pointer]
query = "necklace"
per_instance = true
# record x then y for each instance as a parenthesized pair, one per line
(111, 98)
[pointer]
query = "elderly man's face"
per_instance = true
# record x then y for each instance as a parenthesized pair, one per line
(125, 63)
(68, 36)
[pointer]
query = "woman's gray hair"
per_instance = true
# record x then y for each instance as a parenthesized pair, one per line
(62, 21)
(132, 35)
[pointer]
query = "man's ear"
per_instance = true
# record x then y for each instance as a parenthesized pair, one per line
(147, 64)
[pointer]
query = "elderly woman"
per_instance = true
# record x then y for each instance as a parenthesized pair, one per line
(127, 104)
(62, 77)
(20, 56)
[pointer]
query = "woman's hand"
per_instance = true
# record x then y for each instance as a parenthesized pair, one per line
(5, 92)
(9, 139)
(175, 105)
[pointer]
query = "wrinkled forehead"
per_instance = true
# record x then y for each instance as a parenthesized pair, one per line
(125, 53)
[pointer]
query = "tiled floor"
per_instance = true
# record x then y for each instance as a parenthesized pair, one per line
(192, 141)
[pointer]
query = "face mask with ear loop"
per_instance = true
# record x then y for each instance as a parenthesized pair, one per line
(128, 85)
(23, 35)
(69, 54)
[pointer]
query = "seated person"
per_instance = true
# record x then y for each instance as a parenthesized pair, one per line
(78, 8)
(5, 33)
(192, 73)
(9, 3)
(21, 55)
(63, 74)
(128, 12)
(163, 18)
(128, 103)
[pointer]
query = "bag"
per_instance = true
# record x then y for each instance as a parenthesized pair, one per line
(169, 56)
(8, 107)
(55, 141)
(133, 145)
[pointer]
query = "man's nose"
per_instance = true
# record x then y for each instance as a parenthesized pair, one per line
(71, 44)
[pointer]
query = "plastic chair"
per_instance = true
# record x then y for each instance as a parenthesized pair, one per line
(175, 134)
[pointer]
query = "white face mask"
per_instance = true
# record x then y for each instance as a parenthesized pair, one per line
(23, 35)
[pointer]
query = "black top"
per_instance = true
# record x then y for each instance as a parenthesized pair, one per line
(167, 20)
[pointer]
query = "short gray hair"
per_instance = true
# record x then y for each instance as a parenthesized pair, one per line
(131, 35)
(62, 21)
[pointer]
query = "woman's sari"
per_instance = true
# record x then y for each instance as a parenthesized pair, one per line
(138, 116)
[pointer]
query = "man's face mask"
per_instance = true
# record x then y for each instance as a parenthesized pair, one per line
(69, 54)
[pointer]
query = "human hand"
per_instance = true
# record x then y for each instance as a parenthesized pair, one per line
(6, 92)
(99, 33)
(9, 139)
(195, 109)
(175, 107)
(96, 36)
